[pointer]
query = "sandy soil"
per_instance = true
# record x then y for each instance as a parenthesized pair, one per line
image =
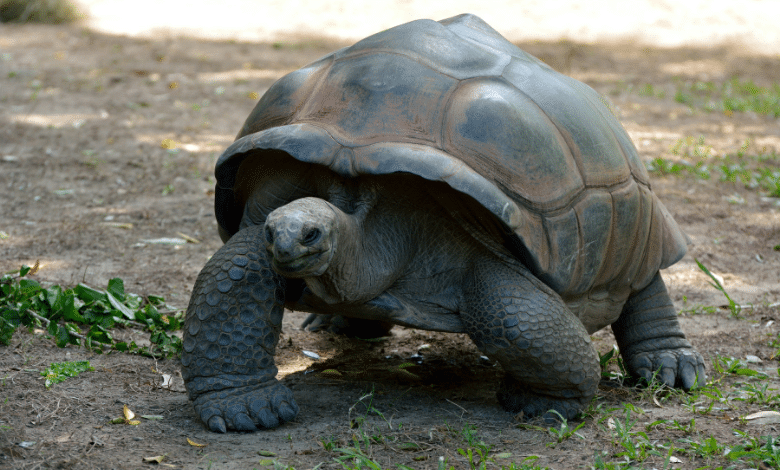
(108, 141)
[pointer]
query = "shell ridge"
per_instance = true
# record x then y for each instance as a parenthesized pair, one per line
(323, 73)
(421, 60)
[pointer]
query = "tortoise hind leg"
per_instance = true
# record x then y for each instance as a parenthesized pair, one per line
(651, 340)
(548, 356)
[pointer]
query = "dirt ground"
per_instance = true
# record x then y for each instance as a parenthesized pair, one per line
(107, 142)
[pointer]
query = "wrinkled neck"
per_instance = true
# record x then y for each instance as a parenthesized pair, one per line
(348, 278)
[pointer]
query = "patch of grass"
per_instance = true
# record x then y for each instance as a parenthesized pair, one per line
(734, 95)
(632, 444)
(39, 11)
(65, 311)
(695, 158)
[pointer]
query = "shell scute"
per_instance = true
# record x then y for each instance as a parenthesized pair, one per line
(379, 97)
(432, 43)
(282, 100)
(500, 132)
(624, 223)
(594, 217)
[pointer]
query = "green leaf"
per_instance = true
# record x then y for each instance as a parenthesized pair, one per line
(53, 296)
(69, 310)
(120, 306)
(116, 287)
(133, 301)
(25, 269)
(88, 294)
(61, 336)
(155, 300)
(29, 287)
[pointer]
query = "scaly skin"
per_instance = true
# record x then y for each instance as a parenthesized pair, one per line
(230, 335)
(548, 356)
(651, 340)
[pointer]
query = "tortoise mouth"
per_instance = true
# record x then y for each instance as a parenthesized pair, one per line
(309, 264)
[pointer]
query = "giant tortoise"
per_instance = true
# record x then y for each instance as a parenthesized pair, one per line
(435, 176)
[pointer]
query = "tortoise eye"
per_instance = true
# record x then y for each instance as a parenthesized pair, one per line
(312, 236)
(269, 236)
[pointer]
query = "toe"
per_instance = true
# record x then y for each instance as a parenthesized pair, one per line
(666, 365)
(217, 424)
(691, 371)
(288, 412)
(267, 419)
(242, 422)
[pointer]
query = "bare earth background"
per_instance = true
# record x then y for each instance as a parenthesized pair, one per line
(108, 137)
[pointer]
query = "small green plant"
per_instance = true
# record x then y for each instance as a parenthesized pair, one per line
(759, 394)
(733, 306)
(764, 454)
(59, 371)
(354, 458)
(64, 311)
(565, 431)
(707, 448)
(734, 366)
(635, 445)
(612, 357)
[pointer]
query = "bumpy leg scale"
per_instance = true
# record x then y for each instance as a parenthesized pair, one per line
(651, 340)
(548, 356)
(233, 323)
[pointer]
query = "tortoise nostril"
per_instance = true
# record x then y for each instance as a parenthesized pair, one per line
(311, 236)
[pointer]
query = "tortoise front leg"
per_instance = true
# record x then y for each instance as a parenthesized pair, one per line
(548, 356)
(233, 323)
(651, 340)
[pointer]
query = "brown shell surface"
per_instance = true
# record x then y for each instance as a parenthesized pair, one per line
(454, 101)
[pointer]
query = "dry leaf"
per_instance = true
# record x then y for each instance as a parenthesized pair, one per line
(266, 453)
(188, 238)
(764, 417)
(127, 412)
(311, 355)
(195, 444)
(167, 380)
(156, 459)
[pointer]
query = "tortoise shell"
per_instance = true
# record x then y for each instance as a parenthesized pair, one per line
(454, 101)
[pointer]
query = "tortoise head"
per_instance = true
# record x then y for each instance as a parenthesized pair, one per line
(302, 236)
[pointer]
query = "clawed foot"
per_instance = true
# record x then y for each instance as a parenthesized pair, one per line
(247, 408)
(516, 398)
(680, 368)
